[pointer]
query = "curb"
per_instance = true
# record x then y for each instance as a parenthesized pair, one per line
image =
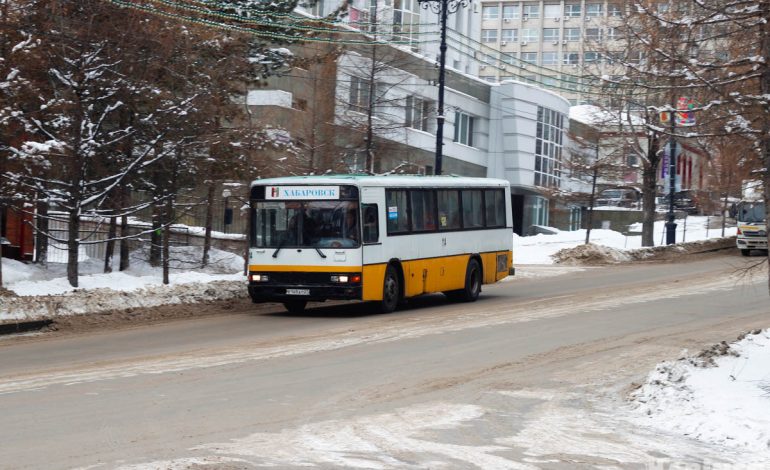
(23, 326)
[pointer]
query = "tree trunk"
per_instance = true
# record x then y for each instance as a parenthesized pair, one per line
(167, 240)
(649, 191)
(124, 247)
(155, 237)
(41, 237)
(73, 246)
(1, 265)
(591, 205)
(764, 86)
(209, 223)
(648, 205)
(109, 251)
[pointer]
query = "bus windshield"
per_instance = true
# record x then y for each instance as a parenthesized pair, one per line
(306, 224)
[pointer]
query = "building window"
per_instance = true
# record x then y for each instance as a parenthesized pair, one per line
(511, 12)
(571, 10)
(570, 82)
(406, 16)
(590, 57)
(508, 57)
(417, 113)
(594, 9)
(572, 34)
(550, 34)
(530, 35)
(552, 11)
(359, 93)
(490, 12)
(593, 34)
(532, 11)
(464, 129)
(571, 58)
(510, 35)
(548, 147)
(614, 10)
(488, 35)
(549, 82)
(550, 58)
(612, 33)
(530, 57)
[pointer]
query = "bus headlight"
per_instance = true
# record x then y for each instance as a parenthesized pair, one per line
(345, 278)
(259, 277)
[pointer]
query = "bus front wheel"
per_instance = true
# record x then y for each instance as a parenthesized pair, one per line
(391, 291)
(295, 306)
(472, 288)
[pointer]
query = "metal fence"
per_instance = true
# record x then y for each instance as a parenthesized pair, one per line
(58, 252)
(95, 237)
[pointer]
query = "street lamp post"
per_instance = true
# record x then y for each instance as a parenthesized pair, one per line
(441, 8)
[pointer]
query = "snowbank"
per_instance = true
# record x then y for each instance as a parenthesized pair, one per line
(541, 249)
(34, 292)
(721, 396)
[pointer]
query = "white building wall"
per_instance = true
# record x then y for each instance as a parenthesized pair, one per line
(513, 128)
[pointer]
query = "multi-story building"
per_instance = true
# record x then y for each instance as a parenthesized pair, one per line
(512, 130)
(552, 43)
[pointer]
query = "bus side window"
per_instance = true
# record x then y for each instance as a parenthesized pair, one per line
(371, 223)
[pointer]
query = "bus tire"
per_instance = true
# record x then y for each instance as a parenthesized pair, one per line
(472, 288)
(745, 252)
(391, 290)
(295, 306)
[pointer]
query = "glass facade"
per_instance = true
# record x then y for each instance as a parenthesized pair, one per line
(548, 148)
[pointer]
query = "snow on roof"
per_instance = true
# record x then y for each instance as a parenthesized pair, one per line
(594, 115)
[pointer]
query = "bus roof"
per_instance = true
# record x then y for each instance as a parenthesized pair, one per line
(377, 181)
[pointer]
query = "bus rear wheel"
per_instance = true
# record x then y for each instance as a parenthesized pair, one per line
(295, 306)
(391, 290)
(472, 288)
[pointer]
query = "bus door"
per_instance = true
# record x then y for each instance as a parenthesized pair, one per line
(373, 223)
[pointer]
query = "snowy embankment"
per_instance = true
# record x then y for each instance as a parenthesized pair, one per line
(45, 293)
(541, 249)
(721, 396)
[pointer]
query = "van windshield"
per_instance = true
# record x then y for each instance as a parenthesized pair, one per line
(611, 194)
(306, 224)
(752, 213)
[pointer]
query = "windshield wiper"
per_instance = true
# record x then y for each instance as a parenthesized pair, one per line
(278, 248)
(319, 252)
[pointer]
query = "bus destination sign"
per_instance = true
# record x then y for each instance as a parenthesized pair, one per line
(302, 192)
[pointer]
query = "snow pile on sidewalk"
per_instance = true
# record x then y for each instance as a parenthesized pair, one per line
(542, 249)
(33, 292)
(721, 396)
(590, 254)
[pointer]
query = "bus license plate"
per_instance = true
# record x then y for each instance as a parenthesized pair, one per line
(297, 291)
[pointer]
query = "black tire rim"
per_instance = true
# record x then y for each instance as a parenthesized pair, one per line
(475, 285)
(390, 290)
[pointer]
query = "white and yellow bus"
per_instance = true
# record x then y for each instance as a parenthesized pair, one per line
(377, 238)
